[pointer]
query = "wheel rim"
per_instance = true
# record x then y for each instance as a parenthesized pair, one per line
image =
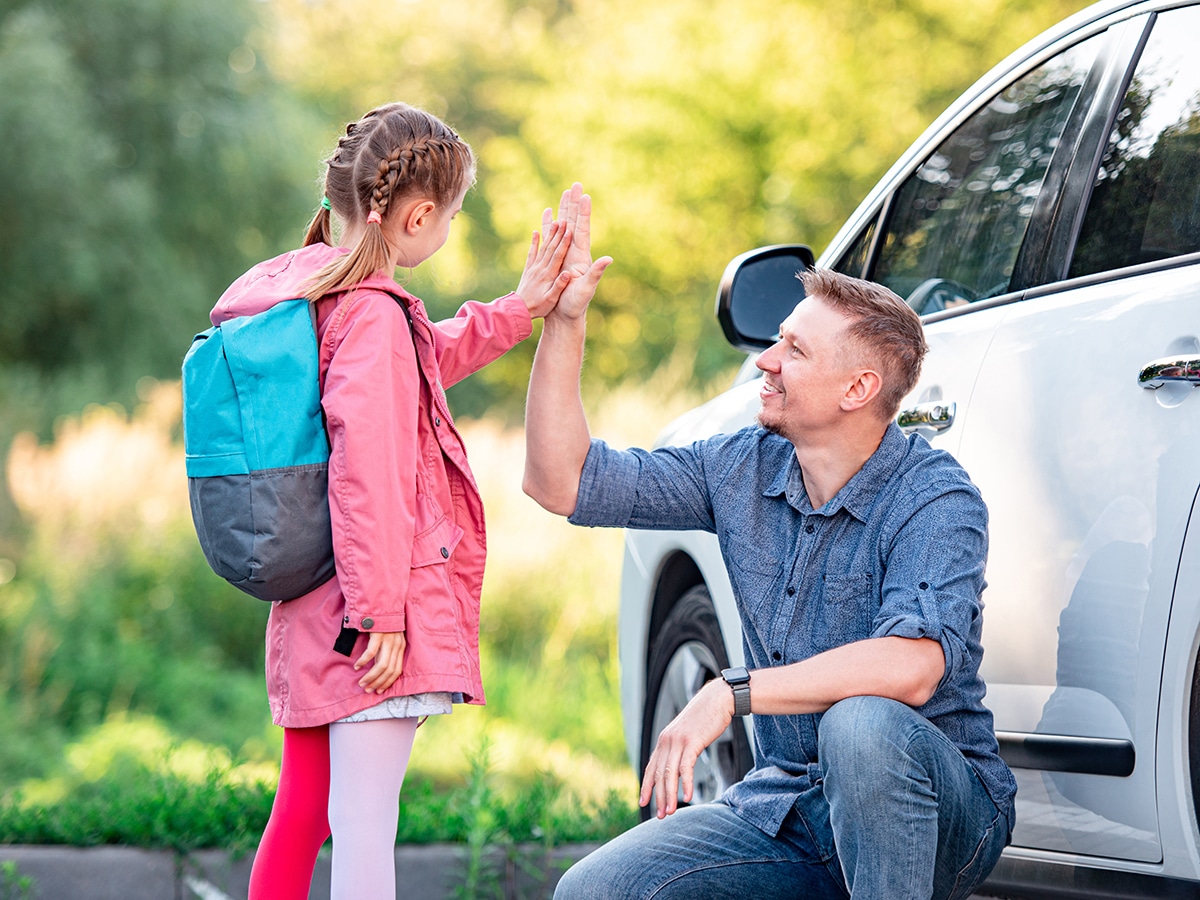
(691, 666)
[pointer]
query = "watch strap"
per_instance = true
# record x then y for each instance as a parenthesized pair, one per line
(738, 680)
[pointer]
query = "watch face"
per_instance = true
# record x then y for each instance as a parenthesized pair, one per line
(736, 675)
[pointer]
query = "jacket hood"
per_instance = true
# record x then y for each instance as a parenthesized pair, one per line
(285, 278)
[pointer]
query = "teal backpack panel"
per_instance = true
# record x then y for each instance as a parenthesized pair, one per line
(257, 453)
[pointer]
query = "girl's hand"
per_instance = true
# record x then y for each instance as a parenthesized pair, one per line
(387, 649)
(575, 210)
(544, 279)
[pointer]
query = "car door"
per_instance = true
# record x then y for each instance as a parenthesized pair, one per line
(1086, 455)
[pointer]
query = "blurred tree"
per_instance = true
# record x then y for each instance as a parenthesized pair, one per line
(147, 157)
(702, 128)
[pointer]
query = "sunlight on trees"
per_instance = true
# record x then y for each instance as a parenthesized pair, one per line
(702, 129)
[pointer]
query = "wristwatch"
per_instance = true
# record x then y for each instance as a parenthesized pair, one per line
(738, 680)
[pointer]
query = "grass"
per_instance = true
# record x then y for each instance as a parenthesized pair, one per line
(189, 798)
(133, 695)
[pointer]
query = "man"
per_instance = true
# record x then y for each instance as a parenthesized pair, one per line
(856, 555)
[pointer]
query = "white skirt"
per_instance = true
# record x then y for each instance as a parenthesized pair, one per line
(410, 706)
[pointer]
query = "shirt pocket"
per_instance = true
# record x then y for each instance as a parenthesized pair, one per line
(846, 612)
(432, 605)
(756, 575)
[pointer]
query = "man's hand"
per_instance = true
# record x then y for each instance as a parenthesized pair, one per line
(544, 277)
(387, 649)
(701, 722)
(575, 211)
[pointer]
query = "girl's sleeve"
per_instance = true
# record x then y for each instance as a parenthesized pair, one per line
(371, 398)
(478, 334)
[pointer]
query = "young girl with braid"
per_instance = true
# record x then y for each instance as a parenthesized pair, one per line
(394, 636)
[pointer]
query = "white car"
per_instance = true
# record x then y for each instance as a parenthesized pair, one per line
(1047, 228)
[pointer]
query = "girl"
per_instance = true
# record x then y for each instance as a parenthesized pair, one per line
(394, 635)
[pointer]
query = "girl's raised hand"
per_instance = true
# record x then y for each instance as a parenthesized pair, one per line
(544, 278)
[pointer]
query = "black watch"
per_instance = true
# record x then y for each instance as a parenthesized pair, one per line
(739, 680)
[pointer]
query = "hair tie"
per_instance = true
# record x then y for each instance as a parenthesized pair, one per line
(374, 216)
(326, 205)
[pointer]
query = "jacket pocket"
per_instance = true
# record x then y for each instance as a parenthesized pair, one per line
(432, 606)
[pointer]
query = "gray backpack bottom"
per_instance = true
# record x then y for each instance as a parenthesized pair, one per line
(287, 531)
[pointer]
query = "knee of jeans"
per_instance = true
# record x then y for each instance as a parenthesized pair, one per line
(573, 884)
(857, 728)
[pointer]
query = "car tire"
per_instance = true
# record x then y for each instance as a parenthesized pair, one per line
(688, 652)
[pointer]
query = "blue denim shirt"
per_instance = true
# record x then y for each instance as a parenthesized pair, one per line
(899, 551)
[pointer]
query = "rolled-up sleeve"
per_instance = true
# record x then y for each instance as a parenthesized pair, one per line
(664, 488)
(934, 575)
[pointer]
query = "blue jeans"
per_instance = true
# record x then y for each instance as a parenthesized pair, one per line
(899, 815)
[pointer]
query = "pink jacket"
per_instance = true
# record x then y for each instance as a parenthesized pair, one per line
(408, 527)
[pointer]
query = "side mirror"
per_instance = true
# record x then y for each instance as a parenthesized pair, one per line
(758, 290)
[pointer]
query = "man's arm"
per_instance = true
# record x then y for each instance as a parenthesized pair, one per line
(904, 669)
(556, 431)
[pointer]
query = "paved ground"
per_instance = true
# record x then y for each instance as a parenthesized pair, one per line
(434, 872)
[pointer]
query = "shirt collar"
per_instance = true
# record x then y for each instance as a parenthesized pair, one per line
(858, 495)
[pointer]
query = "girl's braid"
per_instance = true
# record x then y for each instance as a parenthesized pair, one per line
(413, 165)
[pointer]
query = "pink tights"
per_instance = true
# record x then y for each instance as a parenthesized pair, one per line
(344, 777)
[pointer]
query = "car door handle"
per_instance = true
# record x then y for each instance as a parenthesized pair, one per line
(938, 415)
(1170, 369)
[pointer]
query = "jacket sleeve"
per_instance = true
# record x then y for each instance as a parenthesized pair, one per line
(478, 334)
(371, 399)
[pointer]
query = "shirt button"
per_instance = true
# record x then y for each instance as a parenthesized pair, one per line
(777, 656)
(809, 529)
(791, 592)
(445, 553)
(924, 585)
(368, 623)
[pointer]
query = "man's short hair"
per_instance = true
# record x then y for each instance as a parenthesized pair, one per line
(882, 325)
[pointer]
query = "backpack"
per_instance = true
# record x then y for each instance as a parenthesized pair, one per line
(257, 453)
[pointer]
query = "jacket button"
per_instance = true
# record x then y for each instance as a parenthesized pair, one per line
(445, 553)
(368, 623)
(437, 420)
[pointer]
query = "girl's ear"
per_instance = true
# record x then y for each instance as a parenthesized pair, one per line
(418, 216)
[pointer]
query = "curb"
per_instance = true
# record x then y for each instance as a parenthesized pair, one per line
(423, 872)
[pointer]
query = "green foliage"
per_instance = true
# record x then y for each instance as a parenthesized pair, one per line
(141, 807)
(702, 129)
(186, 797)
(14, 886)
(148, 156)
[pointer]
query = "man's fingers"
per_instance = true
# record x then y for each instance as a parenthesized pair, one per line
(583, 222)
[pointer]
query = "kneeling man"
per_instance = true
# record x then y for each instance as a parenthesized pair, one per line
(856, 556)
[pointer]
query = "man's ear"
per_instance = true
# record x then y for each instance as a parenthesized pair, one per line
(865, 388)
(418, 216)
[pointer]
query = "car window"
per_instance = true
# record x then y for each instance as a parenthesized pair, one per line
(1145, 204)
(854, 260)
(958, 222)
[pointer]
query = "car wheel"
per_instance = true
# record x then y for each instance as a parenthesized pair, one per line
(688, 652)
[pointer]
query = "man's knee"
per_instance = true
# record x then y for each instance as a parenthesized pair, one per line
(859, 727)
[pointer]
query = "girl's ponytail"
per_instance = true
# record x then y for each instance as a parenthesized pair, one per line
(392, 153)
(320, 229)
